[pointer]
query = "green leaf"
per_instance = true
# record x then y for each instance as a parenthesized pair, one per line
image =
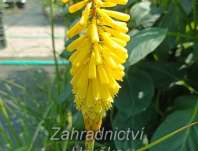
(145, 14)
(163, 74)
(195, 51)
(139, 122)
(124, 7)
(65, 94)
(23, 148)
(186, 5)
(77, 121)
(66, 54)
(185, 102)
(136, 93)
(143, 43)
(119, 123)
(192, 75)
(183, 141)
(174, 20)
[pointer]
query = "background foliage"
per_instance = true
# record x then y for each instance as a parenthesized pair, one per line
(159, 92)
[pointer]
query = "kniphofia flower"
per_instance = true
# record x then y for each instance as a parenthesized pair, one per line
(97, 57)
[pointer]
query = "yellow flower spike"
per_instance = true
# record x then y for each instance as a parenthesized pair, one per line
(97, 57)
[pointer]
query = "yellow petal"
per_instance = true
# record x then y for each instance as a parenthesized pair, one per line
(94, 31)
(77, 6)
(92, 67)
(117, 15)
(74, 30)
(102, 75)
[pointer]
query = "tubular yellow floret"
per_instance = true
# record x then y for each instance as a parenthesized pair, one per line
(117, 34)
(92, 67)
(76, 29)
(108, 4)
(96, 48)
(121, 2)
(85, 15)
(77, 6)
(117, 15)
(97, 57)
(76, 43)
(107, 20)
(119, 41)
(94, 31)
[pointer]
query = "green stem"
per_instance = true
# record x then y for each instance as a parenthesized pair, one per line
(39, 127)
(194, 6)
(190, 88)
(5, 136)
(11, 129)
(188, 130)
(164, 138)
(53, 38)
(69, 127)
(89, 145)
(158, 104)
(175, 34)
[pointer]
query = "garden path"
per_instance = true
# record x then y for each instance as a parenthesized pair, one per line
(28, 33)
